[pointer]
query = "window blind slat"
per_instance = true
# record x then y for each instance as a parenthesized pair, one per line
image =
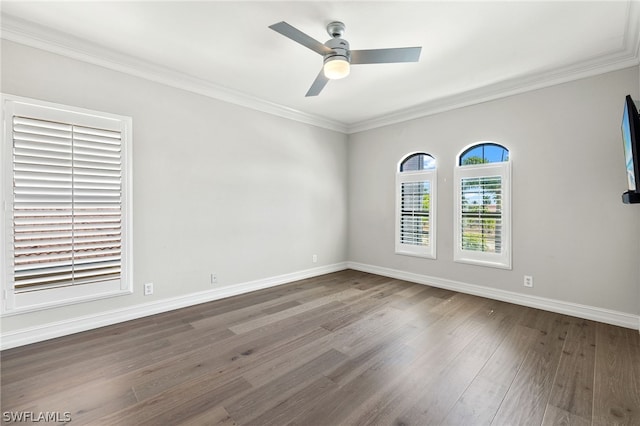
(44, 281)
(90, 133)
(31, 260)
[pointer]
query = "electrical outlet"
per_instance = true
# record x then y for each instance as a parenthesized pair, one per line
(314, 258)
(528, 281)
(148, 289)
(214, 278)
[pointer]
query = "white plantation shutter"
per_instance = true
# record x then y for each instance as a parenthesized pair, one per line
(67, 204)
(481, 204)
(414, 213)
(42, 203)
(416, 206)
(483, 214)
(68, 201)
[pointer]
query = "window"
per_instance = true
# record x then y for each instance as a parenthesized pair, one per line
(483, 206)
(67, 183)
(416, 206)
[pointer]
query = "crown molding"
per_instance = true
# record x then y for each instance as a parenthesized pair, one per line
(40, 37)
(496, 91)
(625, 57)
(33, 35)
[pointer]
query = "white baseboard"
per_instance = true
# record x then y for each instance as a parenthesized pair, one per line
(74, 325)
(581, 311)
(52, 330)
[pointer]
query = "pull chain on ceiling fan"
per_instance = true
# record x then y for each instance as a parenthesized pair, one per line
(338, 58)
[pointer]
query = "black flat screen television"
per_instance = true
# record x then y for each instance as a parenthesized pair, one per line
(631, 143)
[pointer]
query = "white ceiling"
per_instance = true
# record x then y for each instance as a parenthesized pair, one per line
(471, 51)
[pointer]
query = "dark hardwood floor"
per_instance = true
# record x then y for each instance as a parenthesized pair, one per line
(345, 348)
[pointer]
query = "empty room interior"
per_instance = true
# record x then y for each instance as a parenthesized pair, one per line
(320, 213)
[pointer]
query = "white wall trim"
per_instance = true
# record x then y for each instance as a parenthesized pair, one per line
(52, 330)
(40, 37)
(573, 309)
(627, 56)
(498, 91)
(33, 35)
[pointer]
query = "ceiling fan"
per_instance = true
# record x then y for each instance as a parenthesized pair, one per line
(338, 57)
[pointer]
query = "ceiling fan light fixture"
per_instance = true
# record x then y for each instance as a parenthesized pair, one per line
(338, 56)
(336, 67)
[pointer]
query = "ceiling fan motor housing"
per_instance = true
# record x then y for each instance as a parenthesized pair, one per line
(339, 47)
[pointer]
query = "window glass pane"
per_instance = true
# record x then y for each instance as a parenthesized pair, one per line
(415, 213)
(481, 224)
(484, 153)
(417, 162)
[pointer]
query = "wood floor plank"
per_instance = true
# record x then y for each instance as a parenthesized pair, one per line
(388, 352)
(89, 402)
(216, 416)
(222, 317)
(558, 417)
(526, 400)
(365, 304)
(259, 400)
(379, 375)
(29, 388)
(633, 338)
(287, 355)
(297, 404)
(480, 402)
(346, 348)
(435, 356)
(573, 385)
(440, 391)
(58, 359)
(275, 317)
(224, 362)
(177, 403)
(616, 400)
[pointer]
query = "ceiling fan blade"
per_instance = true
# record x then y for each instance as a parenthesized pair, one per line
(384, 56)
(300, 37)
(318, 84)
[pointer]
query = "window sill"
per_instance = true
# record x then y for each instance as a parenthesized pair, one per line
(487, 263)
(20, 303)
(415, 254)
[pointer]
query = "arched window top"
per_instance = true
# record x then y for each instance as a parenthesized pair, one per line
(482, 153)
(417, 162)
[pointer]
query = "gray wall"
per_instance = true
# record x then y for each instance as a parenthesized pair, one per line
(570, 228)
(217, 187)
(221, 188)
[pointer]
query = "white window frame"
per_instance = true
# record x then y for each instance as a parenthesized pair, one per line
(19, 302)
(496, 260)
(430, 175)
